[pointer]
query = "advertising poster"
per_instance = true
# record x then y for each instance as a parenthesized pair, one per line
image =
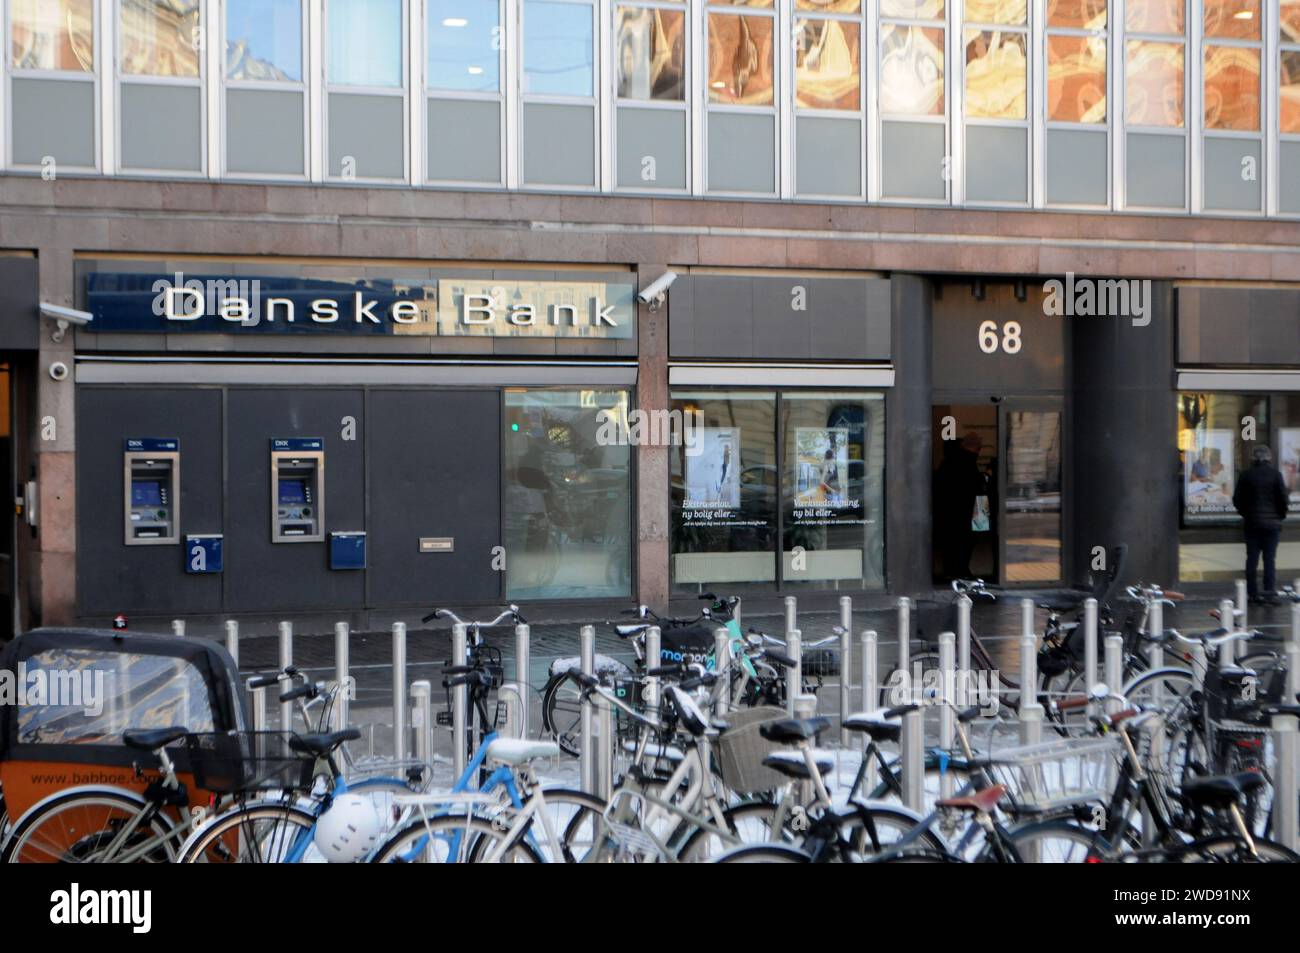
(1288, 461)
(821, 466)
(713, 474)
(1209, 476)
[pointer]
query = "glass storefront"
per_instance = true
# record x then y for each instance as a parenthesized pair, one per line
(1217, 433)
(567, 499)
(795, 472)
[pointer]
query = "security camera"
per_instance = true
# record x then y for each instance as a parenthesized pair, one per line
(59, 371)
(64, 318)
(656, 292)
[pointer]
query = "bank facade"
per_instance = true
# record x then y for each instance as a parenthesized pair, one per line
(312, 393)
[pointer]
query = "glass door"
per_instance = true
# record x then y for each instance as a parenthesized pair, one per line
(1030, 475)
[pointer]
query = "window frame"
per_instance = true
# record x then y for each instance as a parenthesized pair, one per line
(683, 106)
(795, 111)
(1031, 33)
(1044, 124)
(778, 14)
(877, 23)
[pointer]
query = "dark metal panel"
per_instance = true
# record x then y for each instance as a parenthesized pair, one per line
(111, 576)
(959, 362)
(779, 330)
(907, 467)
(435, 460)
(1274, 326)
(19, 300)
(724, 325)
(681, 318)
(262, 575)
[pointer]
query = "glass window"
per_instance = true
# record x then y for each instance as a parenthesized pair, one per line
(740, 60)
(650, 49)
(1077, 14)
(567, 495)
(1289, 101)
(833, 489)
(827, 69)
(996, 73)
(1211, 452)
(1165, 17)
(997, 11)
(264, 40)
(1032, 527)
(912, 9)
(53, 35)
(1232, 19)
(1289, 22)
(1076, 78)
(464, 45)
(725, 487)
(829, 6)
(159, 38)
(911, 70)
(1154, 84)
(558, 49)
(365, 42)
(1231, 88)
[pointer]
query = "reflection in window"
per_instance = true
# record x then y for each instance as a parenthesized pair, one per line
(1076, 78)
(1289, 101)
(1012, 12)
(912, 9)
(1211, 452)
(464, 45)
(567, 502)
(158, 37)
(1154, 84)
(725, 487)
(995, 74)
(1231, 88)
(1032, 524)
(827, 64)
(740, 60)
(833, 488)
(911, 70)
(1232, 19)
(557, 49)
(264, 40)
(53, 34)
(1166, 17)
(1077, 14)
(1289, 24)
(829, 6)
(365, 42)
(650, 49)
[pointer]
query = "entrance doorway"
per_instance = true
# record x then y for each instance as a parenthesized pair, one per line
(997, 490)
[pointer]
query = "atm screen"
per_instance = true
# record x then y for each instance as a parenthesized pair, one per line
(293, 492)
(146, 493)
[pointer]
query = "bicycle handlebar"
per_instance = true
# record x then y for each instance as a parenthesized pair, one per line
(511, 612)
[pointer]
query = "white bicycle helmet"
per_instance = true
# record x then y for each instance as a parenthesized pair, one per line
(349, 830)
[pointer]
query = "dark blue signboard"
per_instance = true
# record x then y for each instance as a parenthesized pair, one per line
(150, 444)
(347, 550)
(203, 554)
(297, 444)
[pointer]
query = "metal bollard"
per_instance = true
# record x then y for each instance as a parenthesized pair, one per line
(1228, 650)
(286, 659)
(964, 699)
(232, 640)
(178, 626)
(586, 753)
(846, 651)
(1242, 603)
(422, 720)
(794, 674)
(346, 689)
(1156, 653)
(650, 693)
(805, 706)
(400, 746)
(1286, 747)
(509, 697)
(1114, 658)
(735, 615)
(257, 699)
(1295, 622)
(459, 701)
(722, 667)
(791, 614)
(870, 696)
(604, 749)
(912, 745)
(523, 674)
(947, 722)
(904, 634)
(1031, 713)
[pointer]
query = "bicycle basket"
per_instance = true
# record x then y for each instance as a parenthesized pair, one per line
(740, 751)
(233, 762)
(1235, 694)
(821, 663)
(1059, 773)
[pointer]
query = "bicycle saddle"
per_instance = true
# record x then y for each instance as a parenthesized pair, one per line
(151, 739)
(982, 801)
(1218, 791)
(631, 629)
(877, 723)
(793, 765)
(322, 744)
(519, 751)
(787, 730)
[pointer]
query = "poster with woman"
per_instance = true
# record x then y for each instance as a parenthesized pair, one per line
(713, 474)
(1288, 461)
(821, 466)
(1209, 475)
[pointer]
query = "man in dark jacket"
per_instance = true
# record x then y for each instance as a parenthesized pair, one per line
(1261, 498)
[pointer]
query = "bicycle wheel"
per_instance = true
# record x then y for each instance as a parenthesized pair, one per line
(890, 825)
(81, 827)
(764, 854)
(254, 833)
(562, 712)
(575, 818)
(918, 856)
(1058, 842)
(1233, 850)
(453, 839)
(754, 823)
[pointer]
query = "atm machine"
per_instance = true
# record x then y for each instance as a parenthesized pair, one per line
(297, 490)
(151, 482)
